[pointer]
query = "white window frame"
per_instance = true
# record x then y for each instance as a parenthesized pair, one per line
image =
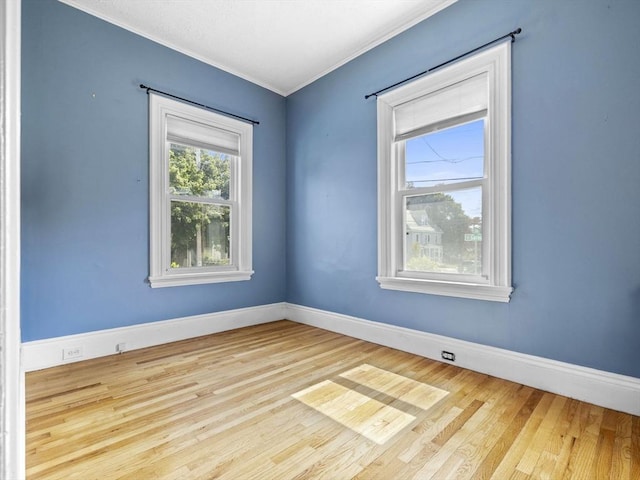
(240, 268)
(495, 285)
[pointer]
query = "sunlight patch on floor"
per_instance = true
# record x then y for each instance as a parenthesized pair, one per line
(362, 414)
(418, 394)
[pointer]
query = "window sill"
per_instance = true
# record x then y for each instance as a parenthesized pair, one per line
(450, 289)
(177, 280)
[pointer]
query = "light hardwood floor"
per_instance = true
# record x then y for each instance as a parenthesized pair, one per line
(288, 401)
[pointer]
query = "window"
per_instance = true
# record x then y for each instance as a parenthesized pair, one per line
(200, 195)
(444, 170)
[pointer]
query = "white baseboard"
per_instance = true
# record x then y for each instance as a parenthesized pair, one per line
(610, 390)
(47, 353)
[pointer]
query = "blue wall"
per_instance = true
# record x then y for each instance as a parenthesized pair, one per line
(85, 176)
(576, 177)
(576, 182)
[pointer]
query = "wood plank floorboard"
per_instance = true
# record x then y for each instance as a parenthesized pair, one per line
(285, 401)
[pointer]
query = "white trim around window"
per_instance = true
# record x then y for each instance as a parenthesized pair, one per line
(176, 124)
(478, 87)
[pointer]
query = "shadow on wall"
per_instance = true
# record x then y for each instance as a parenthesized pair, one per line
(635, 303)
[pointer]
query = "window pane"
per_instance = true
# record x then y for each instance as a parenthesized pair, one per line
(198, 172)
(199, 234)
(443, 232)
(446, 156)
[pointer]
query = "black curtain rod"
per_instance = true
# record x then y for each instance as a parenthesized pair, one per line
(228, 114)
(510, 34)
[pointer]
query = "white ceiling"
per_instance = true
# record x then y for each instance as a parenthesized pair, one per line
(282, 45)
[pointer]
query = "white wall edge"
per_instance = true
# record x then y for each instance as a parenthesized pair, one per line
(40, 354)
(12, 392)
(610, 390)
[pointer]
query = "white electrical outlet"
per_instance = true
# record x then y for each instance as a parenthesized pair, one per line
(71, 352)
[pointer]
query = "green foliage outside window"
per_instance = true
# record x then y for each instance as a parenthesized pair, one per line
(199, 230)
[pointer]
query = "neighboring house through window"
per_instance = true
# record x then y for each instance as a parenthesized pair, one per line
(200, 195)
(444, 180)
